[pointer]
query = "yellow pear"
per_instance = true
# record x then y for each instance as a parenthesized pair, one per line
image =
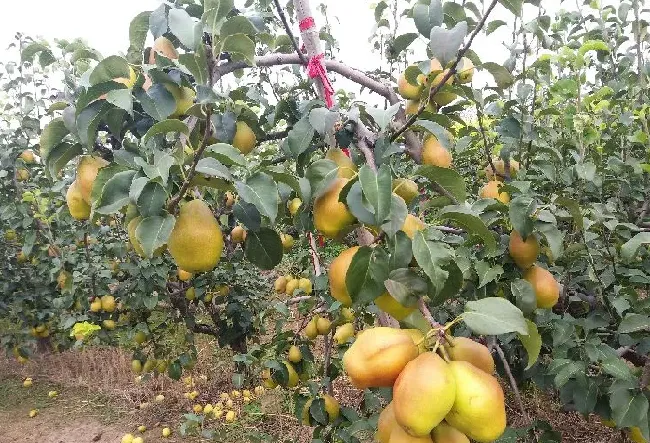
(184, 97)
(377, 357)
(491, 190)
(305, 285)
(108, 324)
(347, 168)
(287, 241)
(412, 224)
(423, 394)
(87, 171)
(465, 71)
(291, 286)
(330, 215)
(523, 252)
(443, 433)
(96, 305)
(79, 209)
(244, 139)
(412, 107)
(500, 167)
(479, 409)
(466, 349)
(636, 435)
(323, 325)
(311, 330)
(347, 314)
(294, 205)
(395, 309)
(332, 408)
(344, 333)
(196, 242)
(436, 66)
(163, 46)
(238, 234)
(27, 156)
(385, 424)
(418, 338)
(547, 289)
(280, 284)
(293, 375)
(405, 188)
(399, 435)
(128, 82)
(294, 354)
(22, 174)
(136, 366)
(406, 89)
(336, 274)
(108, 303)
(183, 275)
(433, 153)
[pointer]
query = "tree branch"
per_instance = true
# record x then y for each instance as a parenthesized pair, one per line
(287, 28)
(434, 90)
(513, 383)
(326, 363)
(93, 286)
(314, 255)
(424, 309)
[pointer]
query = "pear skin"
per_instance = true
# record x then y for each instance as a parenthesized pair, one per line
(423, 394)
(336, 274)
(79, 209)
(491, 190)
(377, 357)
(412, 224)
(330, 215)
(406, 188)
(443, 433)
(547, 289)
(87, 171)
(347, 168)
(479, 409)
(500, 167)
(385, 424)
(418, 339)
(399, 435)
(391, 306)
(433, 153)
(523, 252)
(466, 349)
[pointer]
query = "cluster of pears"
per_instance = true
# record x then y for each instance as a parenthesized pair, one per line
(107, 304)
(524, 253)
(287, 284)
(78, 194)
(148, 366)
(435, 399)
(495, 180)
(415, 92)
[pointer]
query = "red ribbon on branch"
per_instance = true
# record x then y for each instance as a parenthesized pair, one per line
(315, 67)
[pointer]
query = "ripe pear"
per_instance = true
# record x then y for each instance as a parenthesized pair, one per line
(230, 199)
(137, 247)
(244, 139)
(79, 209)
(395, 309)
(406, 89)
(293, 375)
(291, 286)
(418, 338)
(523, 252)
(238, 234)
(479, 409)
(22, 174)
(311, 330)
(347, 314)
(347, 168)
(294, 205)
(166, 432)
(500, 167)
(108, 303)
(412, 107)
(128, 82)
(399, 435)
(337, 273)
(433, 153)
(87, 171)
(127, 438)
(405, 188)
(635, 434)
(294, 355)
(287, 241)
(96, 305)
(183, 96)
(190, 293)
(466, 349)
(332, 408)
(412, 224)
(305, 285)
(423, 394)
(465, 71)
(27, 156)
(491, 190)
(377, 357)
(323, 325)
(138, 440)
(136, 366)
(163, 46)
(547, 289)
(385, 424)
(344, 333)
(196, 242)
(443, 433)
(140, 337)
(330, 215)
(280, 284)
(230, 416)
(184, 275)
(108, 324)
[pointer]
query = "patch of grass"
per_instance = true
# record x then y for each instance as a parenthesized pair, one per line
(13, 395)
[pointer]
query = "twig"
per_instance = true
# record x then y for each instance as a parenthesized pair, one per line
(287, 28)
(424, 309)
(513, 383)
(275, 135)
(314, 255)
(448, 230)
(326, 362)
(434, 90)
(486, 147)
(295, 300)
(93, 287)
(192, 172)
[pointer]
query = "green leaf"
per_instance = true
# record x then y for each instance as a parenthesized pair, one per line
(432, 256)
(53, 134)
(280, 174)
(162, 162)
(109, 69)
(197, 63)
(322, 119)
(300, 137)
(164, 127)
(405, 286)
(520, 210)
(532, 343)
(377, 190)
(398, 213)
(487, 273)
(554, 237)
(153, 232)
(214, 12)
(453, 284)
(151, 199)
(524, 295)
(472, 224)
(158, 102)
(400, 250)
(366, 275)
(630, 247)
(494, 25)
(427, 16)
(513, 6)
(247, 214)
(629, 408)
(226, 154)
(121, 98)
(445, 43)
(494, 316)
(617, 368)
(321, 175)
(59, 156)
(358, 205)
(182, 26)
(383, 117)
(574, 209)
(634, 323)
(174, 370)
(402, 42)
(237, 25)
(441, 134)
(213, 168)
(449, 179)
(138, 30)
(502, 76)
(263, 248)
(262, 191)
(29, 51)
(114, 194)
(240, 44)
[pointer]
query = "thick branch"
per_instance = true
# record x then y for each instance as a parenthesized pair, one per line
(434, 90)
